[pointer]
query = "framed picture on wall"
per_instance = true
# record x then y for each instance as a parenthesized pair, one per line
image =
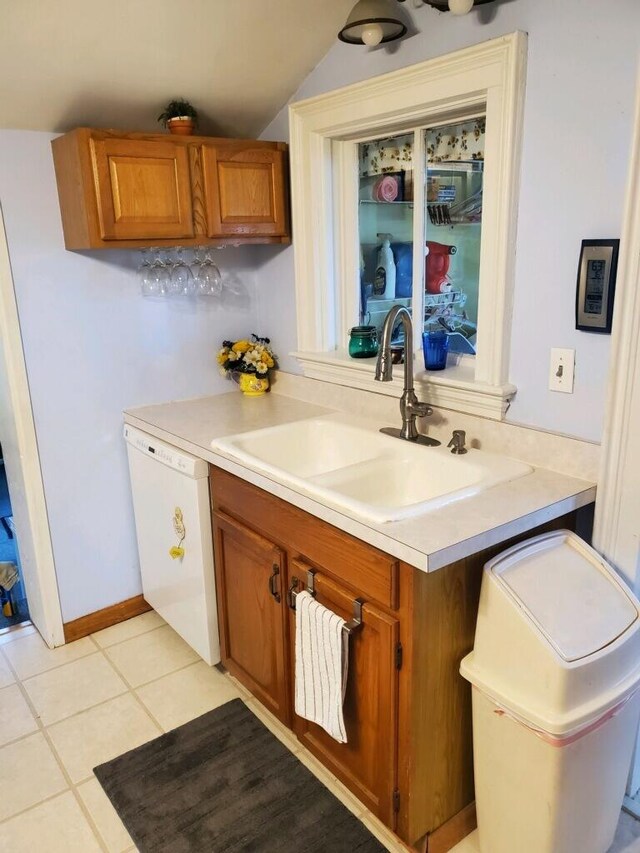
(596, 286)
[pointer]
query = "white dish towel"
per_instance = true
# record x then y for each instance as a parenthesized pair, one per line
(322, 662)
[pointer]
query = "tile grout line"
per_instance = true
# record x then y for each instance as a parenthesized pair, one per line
(248, 700)
(51, 668)
(83, 710)
(126, 639)
(251, 701)
(158, 678)
(128, 690)
(42, 728)
(71, 787)
(90, 637)
(128, 687)
(133, 690)
(163, 731)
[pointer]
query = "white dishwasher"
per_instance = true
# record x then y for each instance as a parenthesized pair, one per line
(173, 524)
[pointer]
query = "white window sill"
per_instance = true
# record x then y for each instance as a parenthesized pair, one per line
(454, 388)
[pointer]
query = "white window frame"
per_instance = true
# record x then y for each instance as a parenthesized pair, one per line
(488, 78)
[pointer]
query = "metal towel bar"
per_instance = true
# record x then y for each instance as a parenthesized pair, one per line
(351, 626)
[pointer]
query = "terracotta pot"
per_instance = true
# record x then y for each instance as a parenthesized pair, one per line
(253, 385)
(181, 125)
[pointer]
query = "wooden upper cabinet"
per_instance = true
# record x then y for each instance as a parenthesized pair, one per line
(245, 189)
(143, 190)
(126, 190)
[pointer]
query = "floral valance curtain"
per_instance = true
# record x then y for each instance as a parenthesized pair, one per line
(461, 141)
(386, 155)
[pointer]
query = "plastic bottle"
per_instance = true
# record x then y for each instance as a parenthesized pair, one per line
(384, 285)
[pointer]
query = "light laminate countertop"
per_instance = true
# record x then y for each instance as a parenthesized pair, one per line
(429, 541)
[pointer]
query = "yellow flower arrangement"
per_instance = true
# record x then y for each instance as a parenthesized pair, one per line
(246, 356)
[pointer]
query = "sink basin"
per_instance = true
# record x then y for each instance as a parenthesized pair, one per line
(361, 471)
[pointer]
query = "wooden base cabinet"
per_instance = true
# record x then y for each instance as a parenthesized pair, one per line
(367, 762)
(125, 190)
(408, 756)
(249, 590)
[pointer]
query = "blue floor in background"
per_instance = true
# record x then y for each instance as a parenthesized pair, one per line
(8, 553)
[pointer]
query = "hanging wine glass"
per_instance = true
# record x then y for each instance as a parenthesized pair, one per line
(158, 275)
(174, 287)
(209, 278)
(198, 260)
(182, 282)
(144, 278)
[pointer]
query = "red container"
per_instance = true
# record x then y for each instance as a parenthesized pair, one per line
(437, 266)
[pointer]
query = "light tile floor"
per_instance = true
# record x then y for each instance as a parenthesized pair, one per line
(64, 711)
(627, 838)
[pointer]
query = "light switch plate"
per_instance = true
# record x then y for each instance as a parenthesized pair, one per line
(561, 370)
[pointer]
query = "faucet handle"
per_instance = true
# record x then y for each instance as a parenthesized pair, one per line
(457, 442)
(422, 410)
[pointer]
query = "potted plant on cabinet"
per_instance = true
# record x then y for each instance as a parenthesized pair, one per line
(179, 117)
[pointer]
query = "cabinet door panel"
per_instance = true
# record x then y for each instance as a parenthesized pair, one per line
(143, 189)
(245, 190)
(367, 762)
(251, 612)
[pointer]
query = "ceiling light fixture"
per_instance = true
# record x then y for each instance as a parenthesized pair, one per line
(374, 22)
(460, 7)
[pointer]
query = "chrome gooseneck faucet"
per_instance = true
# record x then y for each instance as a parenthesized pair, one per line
(410, 407)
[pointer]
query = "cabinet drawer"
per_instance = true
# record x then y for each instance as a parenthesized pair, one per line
(372, 573)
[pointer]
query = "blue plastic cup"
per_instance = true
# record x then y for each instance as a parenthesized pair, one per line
(435, 346)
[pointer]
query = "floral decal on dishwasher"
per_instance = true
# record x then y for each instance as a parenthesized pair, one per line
(177, 551)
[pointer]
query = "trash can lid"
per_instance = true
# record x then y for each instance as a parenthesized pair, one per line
(566, 590)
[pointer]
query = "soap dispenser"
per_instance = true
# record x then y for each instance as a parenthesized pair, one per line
(384, 286)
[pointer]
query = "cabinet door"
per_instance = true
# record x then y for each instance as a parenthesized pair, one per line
(251, 612)
(367, 762)
(245, 189)
(143, 189)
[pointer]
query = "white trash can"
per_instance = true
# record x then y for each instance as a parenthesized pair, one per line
(555, 672)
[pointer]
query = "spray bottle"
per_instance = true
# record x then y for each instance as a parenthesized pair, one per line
(384, 286)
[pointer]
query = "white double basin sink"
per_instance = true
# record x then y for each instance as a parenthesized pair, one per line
(367, 474)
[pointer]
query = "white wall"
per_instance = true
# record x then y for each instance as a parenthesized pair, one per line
(93, 347)
(583, 56)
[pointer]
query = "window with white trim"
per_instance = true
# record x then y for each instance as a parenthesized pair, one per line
(336, 228)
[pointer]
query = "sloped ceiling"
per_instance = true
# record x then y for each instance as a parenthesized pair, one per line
(116, 63)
